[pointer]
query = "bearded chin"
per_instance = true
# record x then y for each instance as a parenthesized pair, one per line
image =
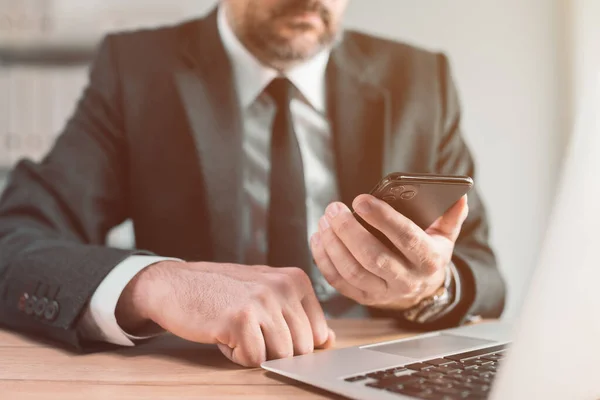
(277, 48)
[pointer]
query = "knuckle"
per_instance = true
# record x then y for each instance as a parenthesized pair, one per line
(298, 276)
(333, 278)
(369, 298)
(383, 262)
(413, 243)
(389, 218)
(369, 254)
(264, 296)
(432, 263)
(282, 353)
(345, 225)
(409, 238)
(243, 316)
(409, 287)
(282, 282)
(354, 272)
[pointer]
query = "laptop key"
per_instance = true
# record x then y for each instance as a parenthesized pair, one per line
(476, 353)
(429, 375)
(483, 381)
(401, 380)
(417, 387)
(440, 383)
(463, 378)
(477, 361)
(492, 357)
(438, 361)
(419, 394)
(419, 366)
(452, 365)
(376, 374)
(467, 386)
(415, 392)
(394, 370)
(442, 371)
(355, 378)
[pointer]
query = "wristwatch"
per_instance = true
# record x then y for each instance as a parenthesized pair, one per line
(437, 305)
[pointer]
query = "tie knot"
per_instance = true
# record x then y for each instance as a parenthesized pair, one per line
(280, 91)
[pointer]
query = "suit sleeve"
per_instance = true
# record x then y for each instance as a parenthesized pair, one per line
(483, 288)
(55, 215)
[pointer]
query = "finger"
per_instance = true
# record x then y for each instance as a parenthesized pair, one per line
(371, 253)
(303, 288)
(330, 273)
(278, 338)
(316, 318)
(406, 285)
(330, 342)
(346, 264)
(300, 328)
(243, 342)
(416, 245)
(449, 224)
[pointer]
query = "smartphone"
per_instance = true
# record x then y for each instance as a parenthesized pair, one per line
(422, 198)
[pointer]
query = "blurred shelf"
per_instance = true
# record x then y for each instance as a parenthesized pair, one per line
(46, 56)
(57, 51)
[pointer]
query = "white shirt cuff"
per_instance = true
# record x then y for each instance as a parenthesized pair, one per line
(99, 321)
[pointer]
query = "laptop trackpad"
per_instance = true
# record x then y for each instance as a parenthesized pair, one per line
(430, 346)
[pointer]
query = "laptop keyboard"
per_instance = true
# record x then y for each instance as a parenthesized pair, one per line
(460, 376)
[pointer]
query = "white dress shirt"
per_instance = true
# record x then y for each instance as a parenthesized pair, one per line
(258, 111)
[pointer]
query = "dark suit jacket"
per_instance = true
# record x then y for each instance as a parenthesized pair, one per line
(156, 137)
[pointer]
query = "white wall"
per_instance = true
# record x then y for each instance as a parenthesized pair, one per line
(509, 70)
(584, 43)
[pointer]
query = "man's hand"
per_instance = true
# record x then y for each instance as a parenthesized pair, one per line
(253, 313)
(362, 268)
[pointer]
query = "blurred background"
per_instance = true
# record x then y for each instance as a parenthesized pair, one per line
(521, 67)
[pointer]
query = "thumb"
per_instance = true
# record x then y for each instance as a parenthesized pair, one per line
(449, 224)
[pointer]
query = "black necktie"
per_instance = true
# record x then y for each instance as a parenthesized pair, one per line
(288, 242)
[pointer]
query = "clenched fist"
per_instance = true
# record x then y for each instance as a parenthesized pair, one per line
(253, 313)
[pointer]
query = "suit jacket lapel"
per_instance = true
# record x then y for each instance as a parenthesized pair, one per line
(359, 113)
(208, 93)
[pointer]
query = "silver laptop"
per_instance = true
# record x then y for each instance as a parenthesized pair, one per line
(553, 352)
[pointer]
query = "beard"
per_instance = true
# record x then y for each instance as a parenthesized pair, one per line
(305, 40)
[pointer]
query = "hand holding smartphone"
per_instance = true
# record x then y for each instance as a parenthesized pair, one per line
(422, 198)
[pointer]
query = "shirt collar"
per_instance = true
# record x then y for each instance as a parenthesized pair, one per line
(252, 77)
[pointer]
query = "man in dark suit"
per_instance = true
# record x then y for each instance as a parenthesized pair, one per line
(229, 141)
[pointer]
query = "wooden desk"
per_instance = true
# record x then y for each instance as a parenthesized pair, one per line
(165, 368)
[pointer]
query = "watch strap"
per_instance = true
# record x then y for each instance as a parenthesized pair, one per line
(440, 303)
